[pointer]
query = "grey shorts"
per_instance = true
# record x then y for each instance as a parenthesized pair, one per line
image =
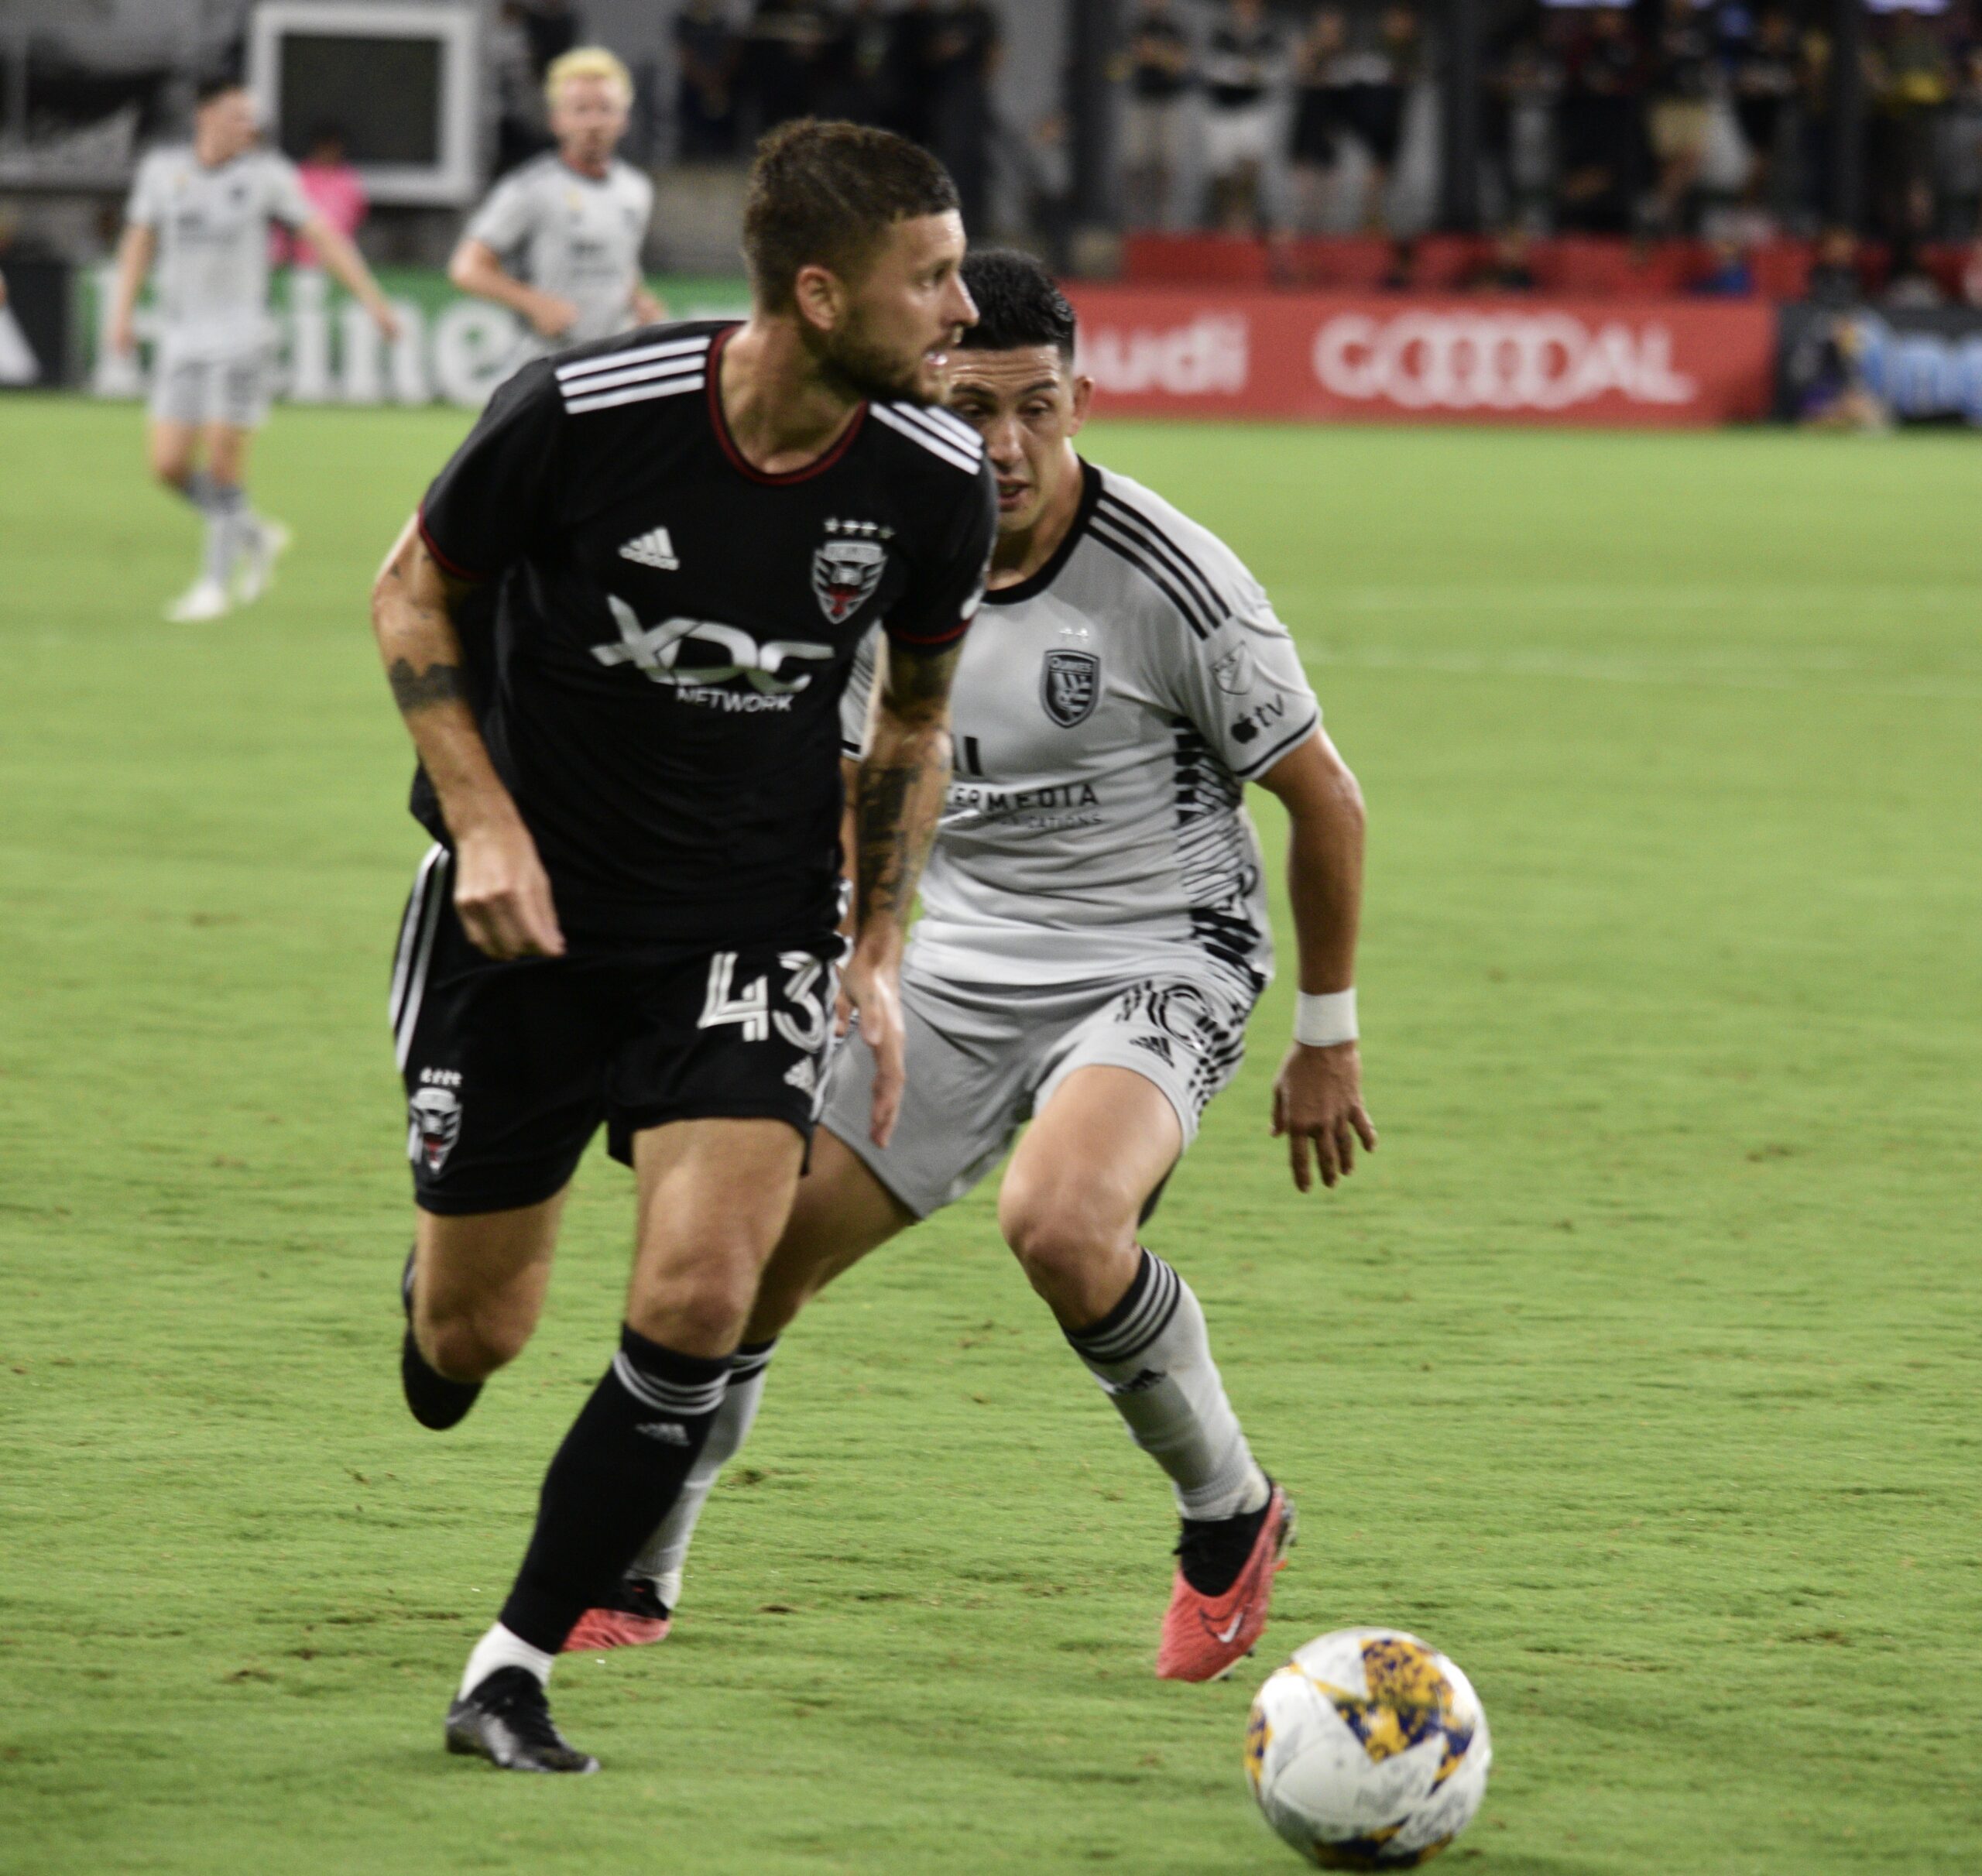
(228, 390)
(982, 1059)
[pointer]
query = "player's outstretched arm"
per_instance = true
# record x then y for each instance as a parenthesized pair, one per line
(501, 890)
(898, 800)
(346, 265)
(1318, 1098)
(477, 269)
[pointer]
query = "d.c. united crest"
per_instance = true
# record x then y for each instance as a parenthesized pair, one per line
(848, 567)
(1069, 683)
(435, 1118)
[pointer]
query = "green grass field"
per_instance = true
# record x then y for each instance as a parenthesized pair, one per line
(1639, 1370)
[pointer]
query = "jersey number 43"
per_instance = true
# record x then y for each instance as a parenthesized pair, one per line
(801, 1012)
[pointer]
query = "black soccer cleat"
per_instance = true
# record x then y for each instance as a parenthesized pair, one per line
(436, 1402)
(506, 1720)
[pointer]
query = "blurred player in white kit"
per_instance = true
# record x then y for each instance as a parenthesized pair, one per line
(573, 220)
(199, 214)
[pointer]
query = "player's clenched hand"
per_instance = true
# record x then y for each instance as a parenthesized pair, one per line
(1318, 1105)
(871, 987)
(503, 894)
(551, 315)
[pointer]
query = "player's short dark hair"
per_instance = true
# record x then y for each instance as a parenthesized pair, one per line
(1017, 303)
(215, 83)
(824, 194)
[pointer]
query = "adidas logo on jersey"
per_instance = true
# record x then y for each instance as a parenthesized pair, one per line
(803, 1076)
(652, 549)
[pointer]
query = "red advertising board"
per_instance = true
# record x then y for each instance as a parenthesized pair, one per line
(1186, 351)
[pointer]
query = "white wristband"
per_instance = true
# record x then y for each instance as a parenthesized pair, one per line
(1321, 1022)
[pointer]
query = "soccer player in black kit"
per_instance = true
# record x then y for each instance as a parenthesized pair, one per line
(618, 630)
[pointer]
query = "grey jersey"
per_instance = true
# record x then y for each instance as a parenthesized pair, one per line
(211, 273)
(1106, 713)
(576, 236)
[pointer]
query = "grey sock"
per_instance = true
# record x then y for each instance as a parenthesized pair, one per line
(229, 521)
(1152, 1356)
(665, 1554)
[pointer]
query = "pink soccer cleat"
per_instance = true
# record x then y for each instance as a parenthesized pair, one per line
(1205, 1637)
(637, 1617)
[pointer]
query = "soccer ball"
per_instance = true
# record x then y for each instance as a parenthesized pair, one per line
(1368, 1750)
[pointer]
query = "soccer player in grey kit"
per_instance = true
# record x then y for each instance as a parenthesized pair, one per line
(199, 213)
(572, 221)
(1094, 937)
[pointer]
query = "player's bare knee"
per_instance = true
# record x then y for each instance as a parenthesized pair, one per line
(472, 1347)
(1059, 1235)
(700, 1307)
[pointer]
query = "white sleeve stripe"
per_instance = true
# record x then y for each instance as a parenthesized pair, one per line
(885, 414)
(668, 387)
(637, 374)
(922, 418)
(1140, 527)
(640, 354)
(949, 421)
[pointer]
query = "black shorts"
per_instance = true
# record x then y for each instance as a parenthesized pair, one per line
(510, 1068)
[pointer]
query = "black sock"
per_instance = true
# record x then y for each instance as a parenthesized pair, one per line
(620, 1468)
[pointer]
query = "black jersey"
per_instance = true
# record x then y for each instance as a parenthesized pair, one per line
(660, 685)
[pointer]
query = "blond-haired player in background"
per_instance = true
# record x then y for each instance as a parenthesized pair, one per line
(572, 221)
(202, 213)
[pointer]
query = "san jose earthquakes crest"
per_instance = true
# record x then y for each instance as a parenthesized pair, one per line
(848, 567)
(1069, 685)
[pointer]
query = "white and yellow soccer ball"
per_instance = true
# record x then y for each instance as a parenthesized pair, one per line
(1368, 1750)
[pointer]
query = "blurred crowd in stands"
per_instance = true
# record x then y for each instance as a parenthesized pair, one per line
(1713, 122)
(1663, 146)
(1663, 118)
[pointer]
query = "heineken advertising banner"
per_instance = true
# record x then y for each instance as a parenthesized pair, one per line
(1925, 366)
(451, 349)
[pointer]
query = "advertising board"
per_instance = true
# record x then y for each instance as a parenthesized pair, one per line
(1173, 352)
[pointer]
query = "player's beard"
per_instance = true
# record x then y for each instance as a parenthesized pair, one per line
(856, 366)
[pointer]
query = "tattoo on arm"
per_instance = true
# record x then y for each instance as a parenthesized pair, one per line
(884, 841)
(918, 682)
(899, 797)
(439, 683)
